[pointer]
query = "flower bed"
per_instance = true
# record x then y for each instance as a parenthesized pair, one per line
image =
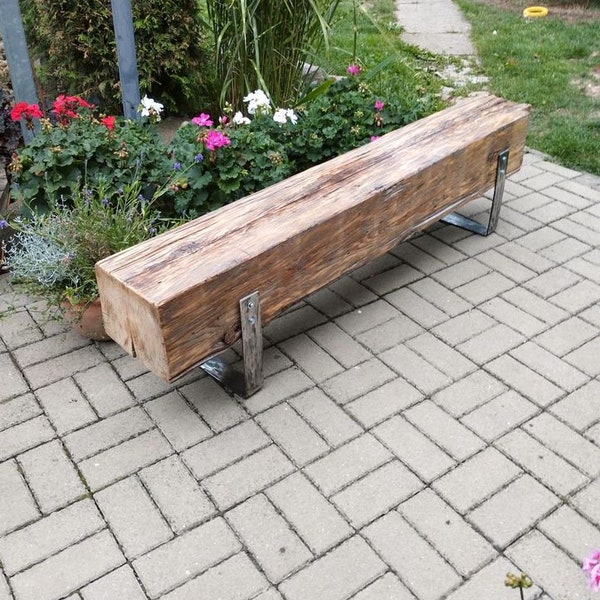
(95, 184)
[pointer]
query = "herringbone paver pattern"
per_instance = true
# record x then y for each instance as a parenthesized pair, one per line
(428, 423)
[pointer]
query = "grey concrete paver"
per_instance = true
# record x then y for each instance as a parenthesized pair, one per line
(247, 477)
(177, 421)
(120, 583)
(17, 507)
(407, 559)
(13, 382)
(509, 514)
(69, 570)
(133, 517)
(489, 470)
(186, 556)
(177, 494)
(108, 432)
(104, 389)
(17, 410)
(22, 436)
(293, 434)
(376, 493)
(234, 578)
(315, 520)
(66, 406)
(338, 574)
(217, 408)
(326, 417)
(413, 448)
(468, 393)
(347, 463)
(454, 538)
(49, 535)
(123, 460)
(51, 476)
(406, 444)
(549, 566)
(275, 546)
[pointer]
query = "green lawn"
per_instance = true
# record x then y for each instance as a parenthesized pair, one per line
(544, 62)
(548, 64)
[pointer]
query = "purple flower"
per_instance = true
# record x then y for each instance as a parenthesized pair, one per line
(379, 104)
(202, 120)
(3, 224)
(176, 166)
(198, 158)
(353, 70)
(374, 138)
(105, 202)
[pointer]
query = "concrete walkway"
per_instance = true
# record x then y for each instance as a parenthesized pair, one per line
(427, 424)
(435, 25)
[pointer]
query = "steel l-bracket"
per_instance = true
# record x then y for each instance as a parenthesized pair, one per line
(250, 380)
(475, 226)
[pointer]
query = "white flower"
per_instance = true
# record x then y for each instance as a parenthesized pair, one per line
(282, 115)
(257, 101)
(240, 119)
(150, 108)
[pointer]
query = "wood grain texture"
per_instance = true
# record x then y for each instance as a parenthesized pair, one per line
(173, 301)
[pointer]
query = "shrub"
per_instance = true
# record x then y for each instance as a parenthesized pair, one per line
(75, 46)
(53, 253)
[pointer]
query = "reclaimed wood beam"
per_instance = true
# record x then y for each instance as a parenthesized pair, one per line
(172, 301)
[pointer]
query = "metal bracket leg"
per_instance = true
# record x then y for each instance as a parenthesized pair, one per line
(474, 226)
(251, 379)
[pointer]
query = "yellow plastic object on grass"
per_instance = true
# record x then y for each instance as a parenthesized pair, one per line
(533, 12)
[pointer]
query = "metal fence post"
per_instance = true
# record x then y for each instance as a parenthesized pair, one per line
(128, 73)
(17, 56)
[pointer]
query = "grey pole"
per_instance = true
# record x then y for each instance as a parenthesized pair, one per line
(128, 73)
(17, 55)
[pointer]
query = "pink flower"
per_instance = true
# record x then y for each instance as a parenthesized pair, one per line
(591, 567)
(215, 139)
(374, 138)
(379, 104)
(353, 70)
(202, 120)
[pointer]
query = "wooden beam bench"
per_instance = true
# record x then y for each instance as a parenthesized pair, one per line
(178, 300)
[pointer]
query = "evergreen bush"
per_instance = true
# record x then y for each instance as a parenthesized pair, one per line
(73, 45)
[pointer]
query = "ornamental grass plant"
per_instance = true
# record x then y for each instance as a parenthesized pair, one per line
(264, 44)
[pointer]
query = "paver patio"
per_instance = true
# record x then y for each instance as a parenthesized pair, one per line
(427, 424)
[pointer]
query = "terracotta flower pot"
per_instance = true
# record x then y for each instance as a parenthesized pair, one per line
(86, 320)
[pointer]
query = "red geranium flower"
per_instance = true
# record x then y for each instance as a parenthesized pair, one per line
(108, 122)
(65, 107)
(29, 111)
